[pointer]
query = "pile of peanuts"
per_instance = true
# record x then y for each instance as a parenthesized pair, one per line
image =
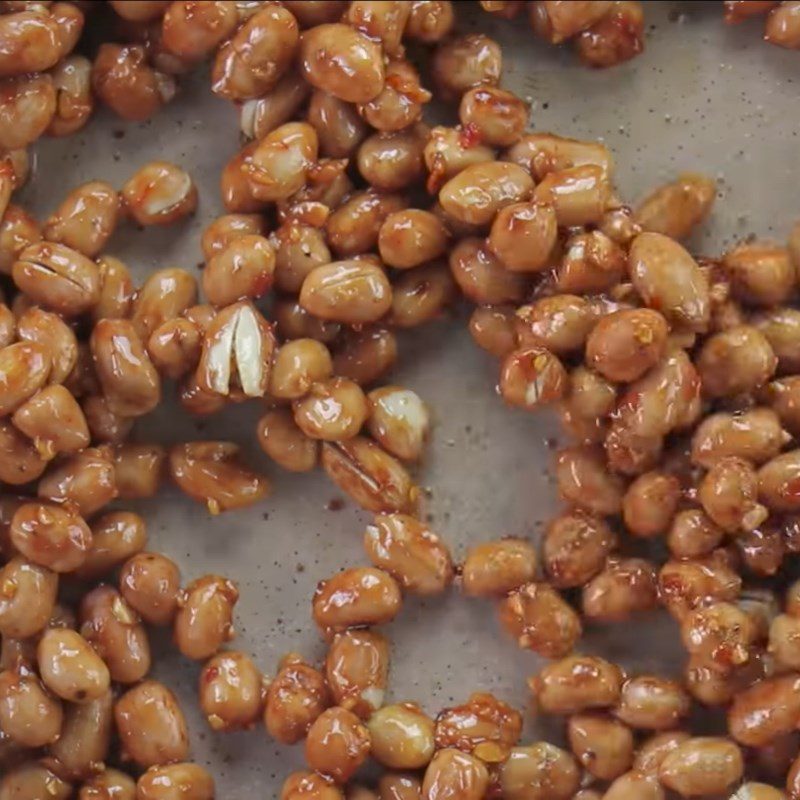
(349, 219)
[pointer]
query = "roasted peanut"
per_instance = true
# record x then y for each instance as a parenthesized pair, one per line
(453, 773)
(675, 208)
(31, 779)
(624, 345)
(479, 191)
(410, 552)
(402, 736)
(150, 583)
(411, 237)
(602, 745)
(262, 115)
(29, 714)
(353, 292)
(693, 534)
(356, 669)
(160, 193)
(373, 478)
(575, 547)
(253, 60)
(204, 620)
(702, 766)
(85, 479)
(540, 771)
(364, 356)
(342, 61)
(130, 382)
(560, 323)
(353, 228)
(69, 666)
(116, 633)
(85, 219)
(285, 443)
(333, 410)
(579, 195)
(684, 585)
(151, 725)
(539, 619)
(728, 494)
(230, 691)
(355, 597)
(57, 277)
(669, 280)
(649, 702)
(212, 474)
(650, 503)
(576, 684)
(174, 781)
(465, 62)
(237, 352)
(27, 106)
(483, 726)
(54, 421)
(496, 568)
(296, 697)
(116, 536)
(735, 361)
(85, 739)
(300, 785)
(337, 744)
(50, 536)
(624, 587)
(531, 377)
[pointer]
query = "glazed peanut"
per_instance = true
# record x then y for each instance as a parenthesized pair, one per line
(343, 62)
(212, 474)
(677, 207)
(577, 683)
(337, 744)
(85, 738)
(354, 597)
(402, 736)
(352, 292)
(539, 771)
(175, 781)
(116, 633)
(603, 745)
(51, 536)
(669, 280)
(116, 536)
(243, 270)
(160, 193)
(496, 568)
(205, 616)
(652, 703)
(296, 697)
(410, 552)
(356, 669)
(483, 726)
(28, 713)
(151, 725)
(69, 666)
(253, 60)
(333, 410)
(540, 620)
(369, 475)
(150, 583)
(452, 771)
(230, 691)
